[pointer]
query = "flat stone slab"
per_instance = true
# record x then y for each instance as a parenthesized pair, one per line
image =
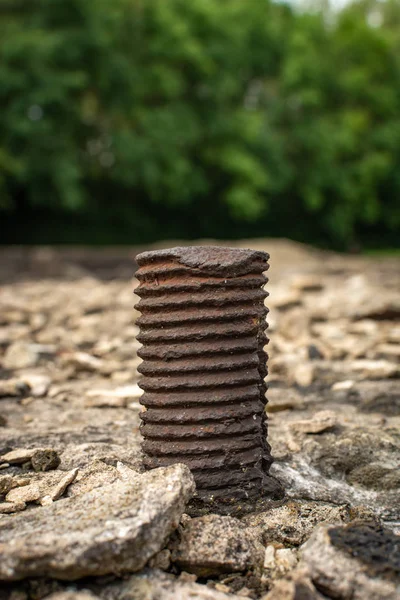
(112, 529)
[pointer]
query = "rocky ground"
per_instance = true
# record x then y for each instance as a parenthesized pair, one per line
(80, 520)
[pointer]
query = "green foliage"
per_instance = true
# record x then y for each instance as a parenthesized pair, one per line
(209, 117)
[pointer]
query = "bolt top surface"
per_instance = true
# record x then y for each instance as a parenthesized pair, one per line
(210, 259)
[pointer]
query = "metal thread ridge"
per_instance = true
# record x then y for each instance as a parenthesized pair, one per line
(202, 327)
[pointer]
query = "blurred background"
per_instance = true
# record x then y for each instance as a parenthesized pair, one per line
(130, 121)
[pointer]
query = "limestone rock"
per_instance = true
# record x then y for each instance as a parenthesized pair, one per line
(298, 586)
(13, 387)
(112, 529)
(39, 384)
(320, 421)
(283, 399)
(41, 459)
(293, 523)
(41, 488)
(73, 595)
(358, 561)
(18, 456)
(6, 484)
(121, 396)
(11, 507)
(57, 491)
(82, 361)
(45, 460)
(279, 561)
(93, 475)
(156, 585)
(21, 355)
(215, 544)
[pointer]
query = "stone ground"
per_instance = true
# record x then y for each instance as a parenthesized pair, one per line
(80, 520)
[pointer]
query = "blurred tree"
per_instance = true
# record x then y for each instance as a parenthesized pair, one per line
(149, 118)
(340, 85)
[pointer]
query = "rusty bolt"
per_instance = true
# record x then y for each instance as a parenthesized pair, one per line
(203, 333)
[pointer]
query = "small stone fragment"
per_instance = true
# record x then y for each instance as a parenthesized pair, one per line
(156, 585)
(297, 586)
(13, 387)
(27, 493)
(304, 374)
(283, 399)
(106, 401)
(18, 456)
(285, 560)
(82, 361)
(118, 397)
(307, 282)
(341, 386)
(42, 459)
(58, 490)
(73, 595)
(321, 421)
(42, 488)
(214, 544)
(38, 384)
(20, 355)
(11, 507)
(269, 557)
(3, 421)
(8, 482)
(45, 460)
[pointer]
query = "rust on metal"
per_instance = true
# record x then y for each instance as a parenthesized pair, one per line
(202, 327)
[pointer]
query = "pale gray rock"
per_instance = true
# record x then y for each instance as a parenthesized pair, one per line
(28, 493)
(82, 361)
(73, 595)
(21, 355)
(38, 383)
(284, 399)
(40, 487)
(298, 586)
(41, 459)
(11, 507)
(156, 585)
(359, 561)
(6, 484)
(57, 490)
(13, 387)
(18, 456)
(293, 523)
(94, 475)
(112, 529)
(215, 544)
(320, 421)
(279, 561)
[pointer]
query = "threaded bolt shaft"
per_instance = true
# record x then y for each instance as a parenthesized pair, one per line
(203, 334)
